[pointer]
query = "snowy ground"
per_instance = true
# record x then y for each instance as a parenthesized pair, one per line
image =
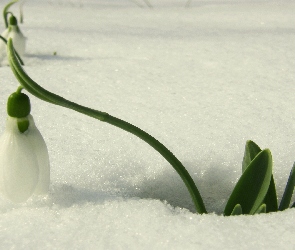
(202, 80)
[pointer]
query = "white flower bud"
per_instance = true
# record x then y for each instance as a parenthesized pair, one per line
(24, 162)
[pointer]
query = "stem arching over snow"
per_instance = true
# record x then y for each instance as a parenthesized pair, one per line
(47, 96)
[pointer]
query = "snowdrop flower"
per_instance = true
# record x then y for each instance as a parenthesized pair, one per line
(24, 161)
(19, 40)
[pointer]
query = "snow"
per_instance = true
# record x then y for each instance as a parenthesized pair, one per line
(202, 80)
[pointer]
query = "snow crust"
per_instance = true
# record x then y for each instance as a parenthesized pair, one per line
(202, 80)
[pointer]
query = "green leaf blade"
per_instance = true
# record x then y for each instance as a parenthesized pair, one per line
(270, 199)
(253, 185)
(251, 150)
(285, 202)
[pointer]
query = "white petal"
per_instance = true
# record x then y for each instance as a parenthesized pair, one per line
(18, 164)
(5, 33)
(41, 152)
(19, 41)
(3, 44)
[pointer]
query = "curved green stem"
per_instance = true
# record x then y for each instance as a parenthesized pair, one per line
(19, 89)
(5, 16)
(45, 95)
(176, 164)
(21, 13)
(5, 11)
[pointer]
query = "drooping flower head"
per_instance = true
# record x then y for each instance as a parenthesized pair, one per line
(13, 31)
(24, 161)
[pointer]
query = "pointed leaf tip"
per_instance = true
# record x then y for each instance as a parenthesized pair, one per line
(261, 209)
(251, 150)
(237, 210)
(253, 185)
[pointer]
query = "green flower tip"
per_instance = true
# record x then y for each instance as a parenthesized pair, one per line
(13, 20)
(23, 124)
(18, 105)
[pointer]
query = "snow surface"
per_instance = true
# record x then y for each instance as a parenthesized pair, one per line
(202, 80)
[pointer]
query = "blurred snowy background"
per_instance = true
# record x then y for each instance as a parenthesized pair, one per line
(202, 80)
